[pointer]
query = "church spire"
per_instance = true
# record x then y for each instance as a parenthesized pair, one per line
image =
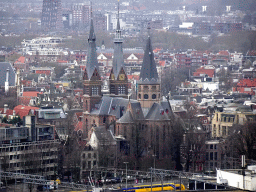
(118, 60)
(148, 70)
(92, 62)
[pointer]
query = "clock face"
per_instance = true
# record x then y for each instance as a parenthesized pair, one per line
(121, 77)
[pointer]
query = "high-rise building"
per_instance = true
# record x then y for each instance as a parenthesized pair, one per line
(51, 15)
(81, 14)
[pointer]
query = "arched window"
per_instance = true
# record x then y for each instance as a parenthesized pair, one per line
(125, 132)
(86, 123)
(154, 96)
(145, 96)
(86, 105)
(139, 96)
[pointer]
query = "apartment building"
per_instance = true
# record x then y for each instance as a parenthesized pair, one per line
(29, 148)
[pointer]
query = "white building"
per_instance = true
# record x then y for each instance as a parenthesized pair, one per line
(235, 178)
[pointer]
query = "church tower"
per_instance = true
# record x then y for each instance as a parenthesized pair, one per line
(118, 81)
(91, 79)
(149, 85)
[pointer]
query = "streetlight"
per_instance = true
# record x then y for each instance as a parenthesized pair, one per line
(126, 174)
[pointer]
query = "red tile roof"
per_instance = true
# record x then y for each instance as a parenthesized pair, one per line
(24, 100)
(22, 110)
(62, 61)
(251, 53)
(30, 93)
(8, 111)
(156, 50)
(202, 70)
(135, 77)
(247, 83)
(162, 63)
(226, 53)
(20, 60)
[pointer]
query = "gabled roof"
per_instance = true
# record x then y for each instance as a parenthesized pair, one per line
(126, 118)
(22, 110)
(21, 60)
(148, 70)
(103, 135)
(160, 111)
(156, 112)
(3, 68)
(117, 107)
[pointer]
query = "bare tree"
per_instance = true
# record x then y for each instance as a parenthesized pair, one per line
(242, 139)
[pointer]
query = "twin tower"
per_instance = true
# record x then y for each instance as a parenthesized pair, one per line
(148, 86)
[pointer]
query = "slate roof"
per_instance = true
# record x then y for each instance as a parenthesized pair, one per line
(3, 67)
(126, 118)
(160, 111)
(148, 70)
(103, 135)
(117, 107)
(92, 61)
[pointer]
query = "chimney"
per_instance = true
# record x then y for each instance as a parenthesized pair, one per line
(5, 108)
(7, 81)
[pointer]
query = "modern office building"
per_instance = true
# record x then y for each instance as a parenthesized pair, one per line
(51, 15)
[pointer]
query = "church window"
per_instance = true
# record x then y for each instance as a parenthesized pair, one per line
(121, 89)
(104, 119)
(86, 123)
(154, 96)
(125, 132)
(139, 96)
(86, 105)
(95, 90)
(112, 89)
(146, 96)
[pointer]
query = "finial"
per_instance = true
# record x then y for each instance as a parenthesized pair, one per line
(148, 28)
(91, 8)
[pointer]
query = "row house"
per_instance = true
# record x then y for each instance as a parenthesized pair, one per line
(223, 121)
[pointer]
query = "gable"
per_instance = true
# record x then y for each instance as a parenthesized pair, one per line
(95, 75)
(122, 75)
(132, 57)
(102, 56)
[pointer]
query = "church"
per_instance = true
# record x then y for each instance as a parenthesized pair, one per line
(141, 128)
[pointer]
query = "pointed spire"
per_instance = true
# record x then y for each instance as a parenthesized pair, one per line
(148, 70)
(91, 34)
(118, 61)
(92, 62)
